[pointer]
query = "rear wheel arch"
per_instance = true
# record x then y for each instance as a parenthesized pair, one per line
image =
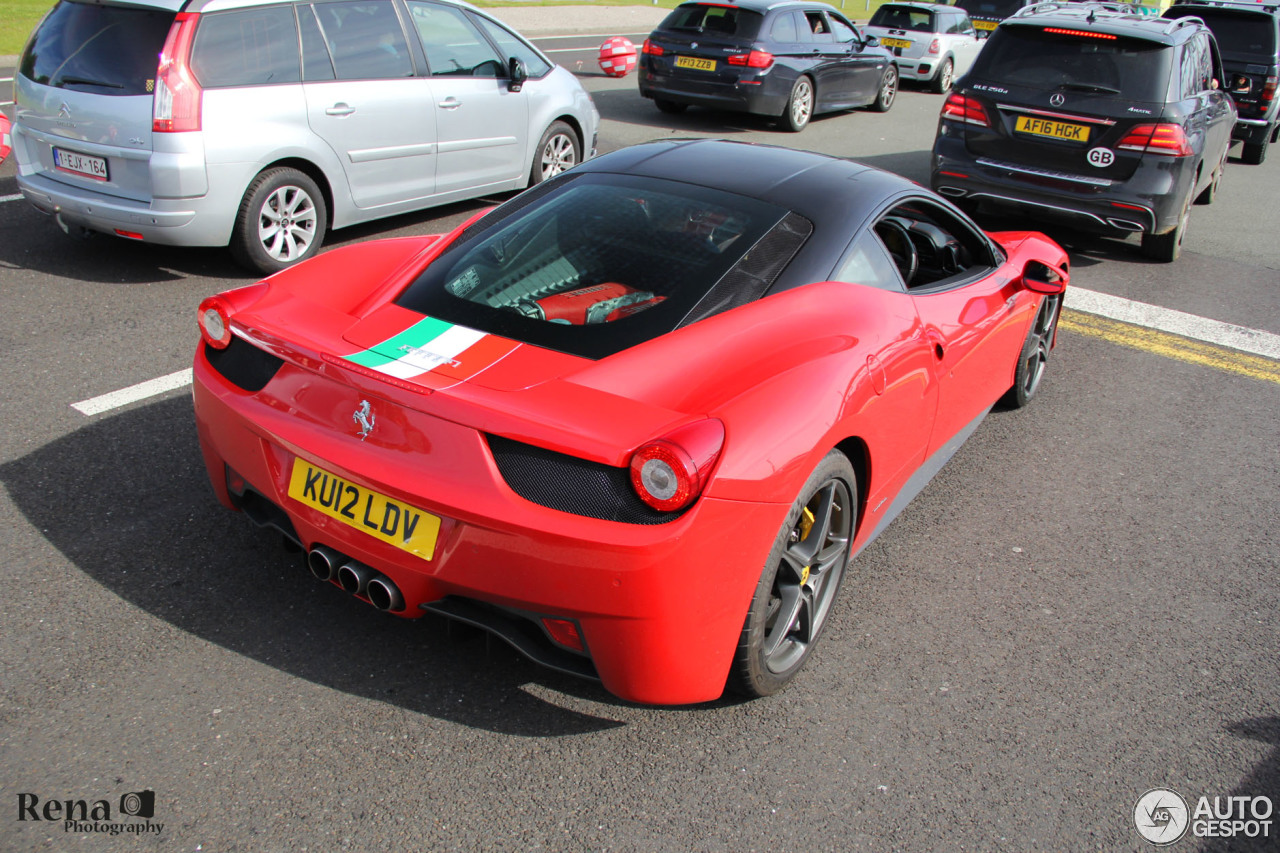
(312, 171)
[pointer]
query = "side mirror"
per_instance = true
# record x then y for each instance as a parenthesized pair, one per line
(871, 41)
(516, 75)
(1040, 278)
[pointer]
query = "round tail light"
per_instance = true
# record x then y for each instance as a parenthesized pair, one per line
(669, 473)
(215, 322)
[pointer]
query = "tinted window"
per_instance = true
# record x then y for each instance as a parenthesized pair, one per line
(902, 18)
(784, 28)
(316, 62)
(108, 50)
(247, 47)
(714, 19)
(511, 46)
(990, 8)
(453, 44)
(1135, 69)
(1239, 34)
(365, 39)
(602, 263)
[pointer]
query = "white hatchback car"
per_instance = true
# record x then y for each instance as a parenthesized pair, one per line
(934, 43)
(266, 123)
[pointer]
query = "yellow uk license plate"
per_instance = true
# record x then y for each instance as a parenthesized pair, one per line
(1052, 129)
(985, 25)
(895, 43)
(695, 63)
(399, 524)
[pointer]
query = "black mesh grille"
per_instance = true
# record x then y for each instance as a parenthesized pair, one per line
(570, 484)
(752, 275)
(243, 364)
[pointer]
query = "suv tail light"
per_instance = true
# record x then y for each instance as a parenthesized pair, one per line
(1268, 91)
(651, 48)
(178, 95)
(670, 472)
(965, 109)
(1161, 138)
(754, 59)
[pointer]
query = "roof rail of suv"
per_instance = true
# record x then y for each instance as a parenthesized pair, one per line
(1231, 4)
(1106, 11)
(1114, 8)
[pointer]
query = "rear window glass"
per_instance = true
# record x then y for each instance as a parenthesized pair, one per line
(600, 264)
(714, 19)
(990, 8)
(1238, 35)
(903, 18)
(1135, 69)
(107, 50)
(248, 47)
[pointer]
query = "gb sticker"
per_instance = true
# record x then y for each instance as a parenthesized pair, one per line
(1101, 157)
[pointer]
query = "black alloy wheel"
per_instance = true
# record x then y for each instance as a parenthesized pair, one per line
(1034, 359)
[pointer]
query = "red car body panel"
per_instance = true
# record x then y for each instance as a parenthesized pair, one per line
(888, 377)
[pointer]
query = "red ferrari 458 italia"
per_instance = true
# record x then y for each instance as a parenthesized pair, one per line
(635, 421)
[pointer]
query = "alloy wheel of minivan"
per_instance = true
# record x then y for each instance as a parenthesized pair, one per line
(282, 221)
(557, 152)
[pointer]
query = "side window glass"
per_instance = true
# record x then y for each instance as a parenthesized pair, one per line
(784, 28)
(844, 33)
(365, 39)
(511, 46)
(1205, 60)
(317, 65)
(819, 28)
(453, 43)
(247, 47)
(868, 263)
(930, 246)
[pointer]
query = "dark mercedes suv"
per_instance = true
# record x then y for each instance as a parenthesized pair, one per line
(1248, 35)
(1099, 118)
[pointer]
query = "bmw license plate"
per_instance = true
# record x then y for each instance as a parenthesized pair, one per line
(399, 524)
(80, 164)
(695, 63)
(1052, 129)
(903, 43)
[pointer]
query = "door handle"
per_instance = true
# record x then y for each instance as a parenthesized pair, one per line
(339, 109)
(450, 103)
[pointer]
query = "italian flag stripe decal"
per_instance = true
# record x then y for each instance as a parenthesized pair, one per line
(434, 346)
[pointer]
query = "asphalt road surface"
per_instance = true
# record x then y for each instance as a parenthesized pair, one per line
(1083, 606)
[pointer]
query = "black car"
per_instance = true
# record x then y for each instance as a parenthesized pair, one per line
(792, 60)
(987, 14)
(1248, 35)
(1101, 118)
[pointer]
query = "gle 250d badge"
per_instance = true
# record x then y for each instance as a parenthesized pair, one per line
(1101, 157)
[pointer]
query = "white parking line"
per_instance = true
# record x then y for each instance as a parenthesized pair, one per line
(134, 393)
(1222, 334)
(4, 198)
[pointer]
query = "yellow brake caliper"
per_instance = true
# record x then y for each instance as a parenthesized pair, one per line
(806, 524)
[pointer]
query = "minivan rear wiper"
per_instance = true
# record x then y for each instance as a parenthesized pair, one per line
(1089, 87)
(84, 81)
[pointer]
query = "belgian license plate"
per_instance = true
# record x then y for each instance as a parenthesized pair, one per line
(985, 25)
(695, 63)
(895, 43)
(1052, 129)
(399, 524)
(80, 164)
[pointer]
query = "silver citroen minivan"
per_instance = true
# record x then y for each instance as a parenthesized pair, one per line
(261, 124)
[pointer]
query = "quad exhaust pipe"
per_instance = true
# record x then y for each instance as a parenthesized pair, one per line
(355, 577)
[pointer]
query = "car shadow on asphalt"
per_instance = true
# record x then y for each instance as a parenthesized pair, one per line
(127, 501)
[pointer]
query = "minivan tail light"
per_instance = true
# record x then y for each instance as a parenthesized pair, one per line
(669, 473)
(178, 95)
(965, 109)
(651, 48)
(1161, 138)
(754, 59)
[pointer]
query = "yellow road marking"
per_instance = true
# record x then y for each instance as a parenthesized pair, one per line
(1171, 346)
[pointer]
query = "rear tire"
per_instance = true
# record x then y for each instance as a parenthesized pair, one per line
(801, 577)
(1167, 247)
(1254, 153)
(669, 107)
(795, 117)
(942, 81)
(1209, 193)
(282, 221)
